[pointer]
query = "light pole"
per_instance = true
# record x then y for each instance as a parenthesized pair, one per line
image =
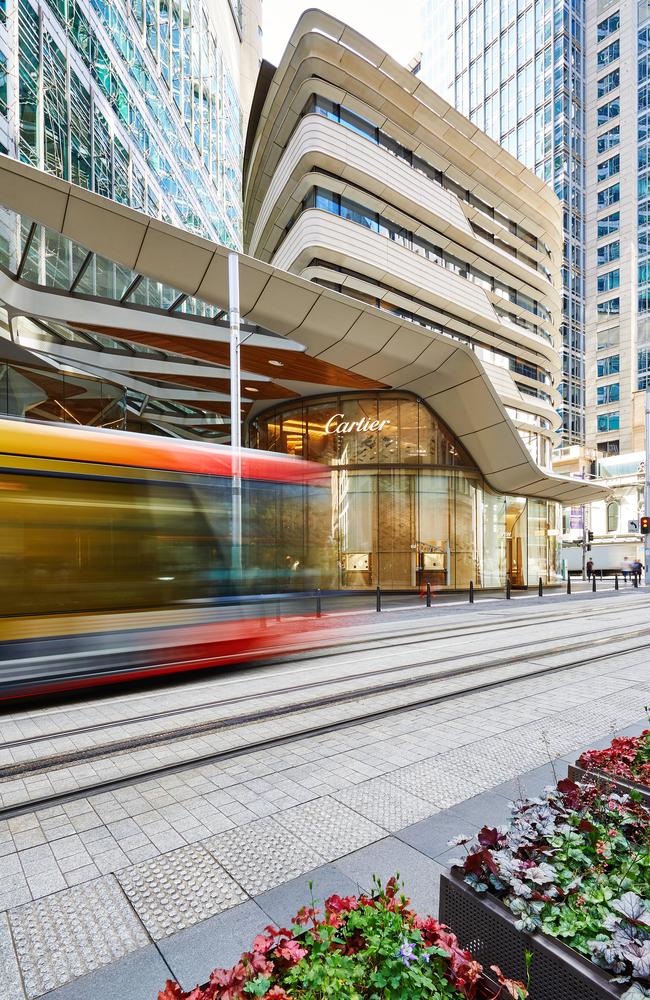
(235, 410)
(646, 491)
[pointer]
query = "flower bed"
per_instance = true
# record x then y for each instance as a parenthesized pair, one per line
(574, 864)
(626, 761)
(367, 947)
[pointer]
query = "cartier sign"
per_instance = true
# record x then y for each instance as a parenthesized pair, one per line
(337, 425)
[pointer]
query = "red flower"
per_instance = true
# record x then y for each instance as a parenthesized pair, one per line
(262, 943)
(230, 982)
(172, 991)
(305, 914)
(291, 951)
(341, 904)
(276, 993)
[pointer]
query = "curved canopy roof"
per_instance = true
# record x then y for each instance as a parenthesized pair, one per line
(349, 344)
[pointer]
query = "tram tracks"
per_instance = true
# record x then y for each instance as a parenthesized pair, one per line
(321, 683)
(465, 674)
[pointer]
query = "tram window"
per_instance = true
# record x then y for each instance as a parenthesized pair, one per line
(92, 544)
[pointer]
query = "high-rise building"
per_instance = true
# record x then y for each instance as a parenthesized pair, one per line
(142, 101)
(618, 228)
(516, 68)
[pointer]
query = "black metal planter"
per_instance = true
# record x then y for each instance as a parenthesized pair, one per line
(485, 927)
(620, 785)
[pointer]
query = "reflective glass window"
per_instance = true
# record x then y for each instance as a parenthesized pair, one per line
(608, 394)
(608, 26)
(609, 307)
(609, 196)
(609, 82)
(609, 139)
(608, 168)
(609, 224)
(609, 53)
(608, 111)
(607, 422)
(609, 366)
(607, 282)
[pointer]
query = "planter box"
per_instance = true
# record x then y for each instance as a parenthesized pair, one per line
(485, 927)
(620, 785)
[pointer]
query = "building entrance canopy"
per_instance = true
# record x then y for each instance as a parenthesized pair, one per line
(102, 276)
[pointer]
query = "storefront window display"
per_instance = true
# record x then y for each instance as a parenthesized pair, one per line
(409, 506)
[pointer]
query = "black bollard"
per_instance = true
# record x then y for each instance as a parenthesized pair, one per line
(593, 582)
(615, 581)
(507, 588)
(471, 591)
(568, 583)
(636, 579)
(318, 602)
(540, 588)
(428, 595)
(378, 599)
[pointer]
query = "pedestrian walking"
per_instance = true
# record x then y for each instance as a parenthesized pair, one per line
(590, 568)
(626, 568)
(636, 569)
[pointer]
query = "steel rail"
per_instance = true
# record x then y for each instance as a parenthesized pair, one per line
(306, 732)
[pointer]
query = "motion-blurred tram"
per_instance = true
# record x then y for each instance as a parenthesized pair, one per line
(117, 555)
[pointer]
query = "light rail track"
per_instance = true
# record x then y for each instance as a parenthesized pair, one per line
(368, 715)
(369, 646)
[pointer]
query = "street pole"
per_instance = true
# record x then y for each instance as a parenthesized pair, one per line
(584, 542)
(235, 410)
(646, 492)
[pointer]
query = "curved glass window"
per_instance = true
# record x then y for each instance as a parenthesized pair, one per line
(612, 516)
(408, 504)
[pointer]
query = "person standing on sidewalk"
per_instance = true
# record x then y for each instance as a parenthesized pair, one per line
(590, 568)
(626, 568)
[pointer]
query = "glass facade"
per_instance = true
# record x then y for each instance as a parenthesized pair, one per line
(516, 69)
(408, 504)
(134, 100)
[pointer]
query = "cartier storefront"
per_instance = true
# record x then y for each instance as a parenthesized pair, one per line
(409, 506)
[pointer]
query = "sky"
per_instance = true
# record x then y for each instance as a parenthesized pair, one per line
(393, 26)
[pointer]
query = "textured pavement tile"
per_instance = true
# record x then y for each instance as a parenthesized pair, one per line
(11, 987)
(385, 803)
(179, 889)
(138, 976)
(431, 836)
(329, 827)
(72, 933)
(214, 943)
(262, 854)
(436, 783)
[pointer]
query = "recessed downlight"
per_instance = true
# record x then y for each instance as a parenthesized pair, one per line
(250, 388)
(278, 364)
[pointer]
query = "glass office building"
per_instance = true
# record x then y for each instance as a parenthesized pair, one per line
(516, 68)
(137, 100)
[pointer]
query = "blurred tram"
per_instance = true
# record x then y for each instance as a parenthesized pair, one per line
(117, 560)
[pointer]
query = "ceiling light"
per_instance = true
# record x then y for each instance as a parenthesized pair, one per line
(249, 388)
(278, 364)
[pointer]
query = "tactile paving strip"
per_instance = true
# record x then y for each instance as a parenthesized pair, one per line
(432, 780)
(73, 932)
(178, 889)
(262, 854)
(329, 827)
(386, 804)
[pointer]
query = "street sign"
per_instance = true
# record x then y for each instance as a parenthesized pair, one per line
(633, 527)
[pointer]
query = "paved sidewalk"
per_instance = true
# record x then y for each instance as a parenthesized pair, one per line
(110, 895)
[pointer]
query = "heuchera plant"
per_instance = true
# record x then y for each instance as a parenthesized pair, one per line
(371, 947)
(575, 864)
(627, 757)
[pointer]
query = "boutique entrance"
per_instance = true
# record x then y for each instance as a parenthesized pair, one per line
(409, 505)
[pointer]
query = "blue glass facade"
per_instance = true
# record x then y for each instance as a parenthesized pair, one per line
(643, 208)
(516, 69)
(133, 99)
